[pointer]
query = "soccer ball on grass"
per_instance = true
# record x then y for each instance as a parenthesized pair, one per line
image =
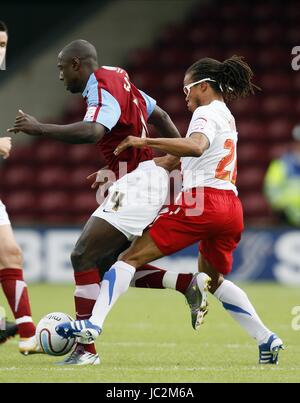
(50, 342)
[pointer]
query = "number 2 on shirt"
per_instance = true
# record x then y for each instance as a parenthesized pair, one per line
(221, 172)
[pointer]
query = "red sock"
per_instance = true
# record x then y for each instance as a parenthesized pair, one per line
(86, 294)
(149, 276)
(15, 290)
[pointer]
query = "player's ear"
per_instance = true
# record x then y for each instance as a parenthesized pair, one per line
(76, 63)
(204, 86)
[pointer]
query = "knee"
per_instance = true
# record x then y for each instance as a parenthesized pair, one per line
(82, 260)
(11, 256)
(133, 259)
(77, 259)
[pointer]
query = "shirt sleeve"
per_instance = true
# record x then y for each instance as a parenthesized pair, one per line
(150, 103)
(102, 108)
(202, 122)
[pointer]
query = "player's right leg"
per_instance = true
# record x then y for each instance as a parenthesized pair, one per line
(14, 286)
(236, 302)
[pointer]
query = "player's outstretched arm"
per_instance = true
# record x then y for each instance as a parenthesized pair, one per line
(76, 133)
(193, 146)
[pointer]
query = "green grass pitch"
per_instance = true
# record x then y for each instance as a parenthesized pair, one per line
(148, 338)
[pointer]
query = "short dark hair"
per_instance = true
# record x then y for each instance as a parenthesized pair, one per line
(3, 26)
(233, 77)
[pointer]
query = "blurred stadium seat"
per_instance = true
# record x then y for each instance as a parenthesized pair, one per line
(264, 121)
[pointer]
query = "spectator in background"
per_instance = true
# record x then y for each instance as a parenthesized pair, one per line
(282, 183)
(3, 44)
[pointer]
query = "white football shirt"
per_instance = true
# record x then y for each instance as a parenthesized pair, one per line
(216, 168)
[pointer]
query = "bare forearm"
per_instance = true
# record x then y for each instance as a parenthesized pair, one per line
(75, 133)
(180, 147)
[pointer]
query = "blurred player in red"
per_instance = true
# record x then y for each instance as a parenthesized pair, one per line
(11, 277)
(115, 109)
(208, 160)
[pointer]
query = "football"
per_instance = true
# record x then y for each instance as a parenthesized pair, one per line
(49, 340)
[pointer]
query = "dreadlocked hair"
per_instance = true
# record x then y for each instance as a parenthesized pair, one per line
(232, 77)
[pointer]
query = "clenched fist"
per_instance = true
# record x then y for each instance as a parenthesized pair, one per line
(5, 146)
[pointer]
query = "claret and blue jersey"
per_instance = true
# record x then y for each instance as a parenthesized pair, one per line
(113, 101)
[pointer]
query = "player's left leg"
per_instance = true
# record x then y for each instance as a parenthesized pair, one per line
(15, 289)
(237, 303)
(189, 284)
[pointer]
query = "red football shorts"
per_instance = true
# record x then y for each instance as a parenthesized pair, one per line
(218, 227)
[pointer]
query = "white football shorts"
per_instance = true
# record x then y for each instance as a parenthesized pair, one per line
(4, 219)
(134, 201)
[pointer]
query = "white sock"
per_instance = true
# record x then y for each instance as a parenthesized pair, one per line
(240, 308)
(170, 280)
(115, 283)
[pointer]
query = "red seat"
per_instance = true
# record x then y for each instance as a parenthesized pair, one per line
(170, 57)
(249, 107)
(297, 110)
(20, 201)
(174, 104)
(182, 125)
(277, 150)
(77, 178)
(142, 57)
(277, 106)
(51, 177)
(292, 11)
(78, 155)
(265, 11)
(22, 154)
(251, 153)
(254, 204)
(250, 178)
(280, 129)
(17, 176)
(267, 33)
(202, 34)
(56, 202)
(251, 130)
(172, 33)
(173, 81)
(62, 218)
(276, 83)
(296, 82)
(49, 151)
(213, 52)
(84, 202)
(145, 79)
(74, 110)
(292, 34)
